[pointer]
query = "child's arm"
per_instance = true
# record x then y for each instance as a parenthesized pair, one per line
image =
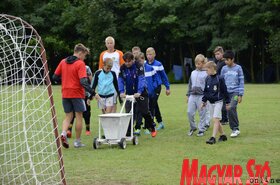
(241, 84)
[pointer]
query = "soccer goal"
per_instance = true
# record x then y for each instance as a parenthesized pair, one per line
(30, 149)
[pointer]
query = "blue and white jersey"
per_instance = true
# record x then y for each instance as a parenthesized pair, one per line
(234, 79)
(151, 79)
(161, 77)
(132, 80)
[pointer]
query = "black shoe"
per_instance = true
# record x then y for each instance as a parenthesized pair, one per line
(191, 132)
(222, 138)
(224, 123)
(206, 127)
(211, 141)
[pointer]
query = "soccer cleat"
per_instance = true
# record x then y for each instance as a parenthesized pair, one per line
(191, 132)
(154, 133)
(160, 126)
(88, 133)
(147, 132)
(222, 138)
(78, 144)
(235, 133)
(64, 141)
(206, 127)
(69, 134)
(211, 141)
(137, 132)
(200, 133)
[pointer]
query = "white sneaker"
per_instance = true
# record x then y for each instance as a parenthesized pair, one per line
(235, 133)
(78, 144)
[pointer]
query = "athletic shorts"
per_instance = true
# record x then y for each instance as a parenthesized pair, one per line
(105, 102)
(73, 105)
(216, 109)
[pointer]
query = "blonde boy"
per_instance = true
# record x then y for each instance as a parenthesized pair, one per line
(194, 96)
(214, 92)
(161, 79)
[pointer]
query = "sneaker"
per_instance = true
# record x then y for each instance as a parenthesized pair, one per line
(211, 141)
(137, 132)
(78, 144)
(154, 133)
(160, 126)
(64, 141)
(222, 138)
(88, 133)
(235, 133)
(147, 132)
(200, 133)
(206, 127)
(191, 132)
(69, 134)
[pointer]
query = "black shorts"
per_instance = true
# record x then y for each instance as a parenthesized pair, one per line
(73, 105)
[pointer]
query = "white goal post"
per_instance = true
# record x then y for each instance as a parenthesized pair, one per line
(30, 149)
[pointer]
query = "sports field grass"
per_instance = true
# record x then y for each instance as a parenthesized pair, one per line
(158, 161)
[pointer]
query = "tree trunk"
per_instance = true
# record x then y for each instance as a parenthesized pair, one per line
(182, 62)
(252, 63)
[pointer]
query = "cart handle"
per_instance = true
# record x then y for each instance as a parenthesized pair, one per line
(127, 98)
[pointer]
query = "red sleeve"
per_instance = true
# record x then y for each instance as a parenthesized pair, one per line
(58, 69)
(82, 72)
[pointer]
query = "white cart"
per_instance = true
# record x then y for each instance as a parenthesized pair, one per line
(115, 126)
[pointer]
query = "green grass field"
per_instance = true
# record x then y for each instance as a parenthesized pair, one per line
(158, 161)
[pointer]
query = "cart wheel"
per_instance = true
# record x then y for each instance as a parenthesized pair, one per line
(135, 140)
(122, 143)
(96, 144)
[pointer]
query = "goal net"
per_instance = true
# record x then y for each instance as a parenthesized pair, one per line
(30, 149)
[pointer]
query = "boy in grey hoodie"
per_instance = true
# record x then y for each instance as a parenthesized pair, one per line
(195, 94)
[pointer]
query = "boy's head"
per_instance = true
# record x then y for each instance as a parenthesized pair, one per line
(150, 53)
(140, 58)
(211, 68)
(136, 50)
(129, 59)
(110, 43)
(218, 52)
(199, 61)
(108, 64)
(81, 51)
(229, 57)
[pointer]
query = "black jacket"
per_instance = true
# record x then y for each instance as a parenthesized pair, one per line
(215, 89)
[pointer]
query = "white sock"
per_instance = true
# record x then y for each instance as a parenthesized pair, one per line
(64, 133)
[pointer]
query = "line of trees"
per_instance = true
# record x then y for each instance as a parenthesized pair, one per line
(176, 29)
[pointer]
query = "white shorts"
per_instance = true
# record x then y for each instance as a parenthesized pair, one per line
(105, 102)
(216, 109)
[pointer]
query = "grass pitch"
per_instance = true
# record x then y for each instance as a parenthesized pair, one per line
(158, 161)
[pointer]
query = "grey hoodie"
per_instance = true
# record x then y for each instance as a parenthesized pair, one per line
(197, 82)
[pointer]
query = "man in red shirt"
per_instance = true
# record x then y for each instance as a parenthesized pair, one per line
(72, 71)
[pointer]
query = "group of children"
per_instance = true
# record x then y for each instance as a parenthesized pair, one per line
(214, 90)
(213, 86)
(118, 75)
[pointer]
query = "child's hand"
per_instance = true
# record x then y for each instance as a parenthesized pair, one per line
(122, 95)
(239, 99)
(88, 102)
(227, 106)
(203, 105)
(136, 95)
(97, 97)
(167, 92)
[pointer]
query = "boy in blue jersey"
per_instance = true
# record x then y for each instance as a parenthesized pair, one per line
(131, 81)
(161, 79)
(106, 83)
(234, 79)
(151, 82)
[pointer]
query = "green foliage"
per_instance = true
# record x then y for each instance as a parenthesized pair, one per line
(198, 26)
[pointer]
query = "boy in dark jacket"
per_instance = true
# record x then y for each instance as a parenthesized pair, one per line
(215, 91)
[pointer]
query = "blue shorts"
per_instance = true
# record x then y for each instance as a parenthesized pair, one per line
(73, 105)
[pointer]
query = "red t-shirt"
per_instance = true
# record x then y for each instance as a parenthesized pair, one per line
(70, 78)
